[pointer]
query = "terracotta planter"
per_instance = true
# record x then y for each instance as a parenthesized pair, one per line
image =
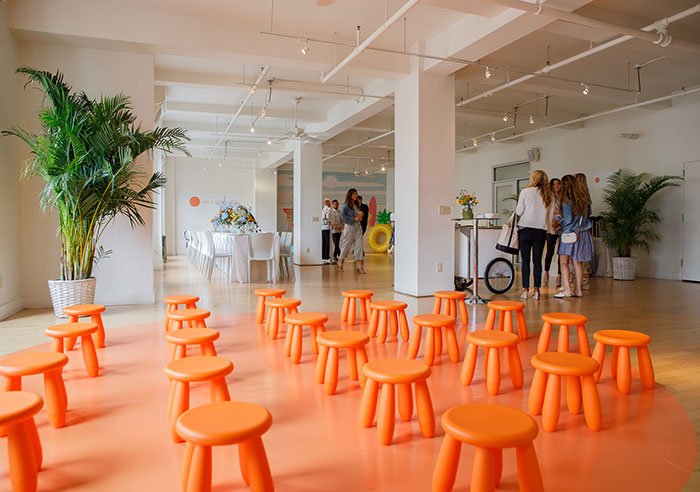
(66, 293)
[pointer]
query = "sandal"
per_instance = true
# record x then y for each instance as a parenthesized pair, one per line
(562, 295)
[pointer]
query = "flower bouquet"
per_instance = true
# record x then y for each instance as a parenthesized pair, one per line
(234, 217)
(468, 202)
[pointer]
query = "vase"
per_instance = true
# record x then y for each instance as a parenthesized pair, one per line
(467, 213)
(66, 293)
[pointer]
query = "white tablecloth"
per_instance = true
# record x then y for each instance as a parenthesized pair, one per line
(237, 245)
(602, 260)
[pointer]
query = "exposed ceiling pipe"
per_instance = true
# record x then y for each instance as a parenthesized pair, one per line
(369, 140)
(581, 20)
(361, 46)
(681, 93)
(602, 47)
(248, 95)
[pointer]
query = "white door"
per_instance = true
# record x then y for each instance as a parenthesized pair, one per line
(691, 221)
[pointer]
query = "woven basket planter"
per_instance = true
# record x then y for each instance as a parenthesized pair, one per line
(66, 293)
(624, 268)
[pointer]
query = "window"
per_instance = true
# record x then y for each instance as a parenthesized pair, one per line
(508, 181)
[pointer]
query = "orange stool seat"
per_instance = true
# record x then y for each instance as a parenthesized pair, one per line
(564, 320)
(545, 392)
(221, 424)
(81, 310)
(327, 363)
(454, 301)
(621, 367)
(193, 317)
(263, 294)
(182, 372)
(395, 311)
(83, 330)
(490, 428)
(279, 308)
(173, 303)
(493, 342)
(50, 364)
(17, 410)
(508, 312)
(180, 339)
(295, 323)
(391, 373)
(351, 299)
(433, 338)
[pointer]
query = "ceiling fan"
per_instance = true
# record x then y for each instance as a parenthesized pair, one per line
(298, 132)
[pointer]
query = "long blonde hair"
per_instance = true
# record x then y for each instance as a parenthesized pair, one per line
(575, 195)
(540, 180)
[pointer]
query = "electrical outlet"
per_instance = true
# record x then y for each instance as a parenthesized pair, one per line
(315, 219)
(444, 210)
(438, 267)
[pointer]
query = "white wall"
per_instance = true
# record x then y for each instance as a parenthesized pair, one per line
(188, 178)
(127, 276)
(668, 137)
(10, 273)
(266, 199)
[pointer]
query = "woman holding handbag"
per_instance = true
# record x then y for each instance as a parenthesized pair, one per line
(575, 242)
(533, 203)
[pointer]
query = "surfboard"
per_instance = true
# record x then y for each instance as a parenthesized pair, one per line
(372, 212)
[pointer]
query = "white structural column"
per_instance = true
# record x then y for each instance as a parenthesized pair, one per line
(307, 203)
(424, 181)
(265, 208)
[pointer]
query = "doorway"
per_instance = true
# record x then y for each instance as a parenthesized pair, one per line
(690, 261)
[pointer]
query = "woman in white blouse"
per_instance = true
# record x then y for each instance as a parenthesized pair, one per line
(532, 228)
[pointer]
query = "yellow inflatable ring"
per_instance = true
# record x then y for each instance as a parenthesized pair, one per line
(379, 237)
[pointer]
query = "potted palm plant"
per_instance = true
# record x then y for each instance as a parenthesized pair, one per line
(628, 222)
(85, 153)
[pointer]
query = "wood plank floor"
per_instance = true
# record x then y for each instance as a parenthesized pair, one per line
(667, 310)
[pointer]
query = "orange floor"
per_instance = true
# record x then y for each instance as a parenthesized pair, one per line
(116, 438)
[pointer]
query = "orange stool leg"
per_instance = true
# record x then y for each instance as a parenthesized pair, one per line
(55, 406)
(166, 322)
(591, 403)
(296, 344)
(515, 367)
(537, 390)
(321, 364)
(351, 359)
(424, 405)
(208, 349)
(552, 397)
(271, 324)
(381, 335)
(599, 355)
(624, 371)
(583, 345)
(446, 465)
(199, 477)
(483, 471)
(405, 397)
(363, 309)
(522, 325)
(563, 345)
(180, 351)
(497, 460)
(351, 312)
(344, 311)
(451, 307)
(463, 311)
(387, 418)
(573, 394)
(219, 390)
(437, 336)
(257, 466)
(368, 306)
(393, 323)
(529, 474)
(493, 376)
(545, 334)
(613, 362)
(501, 320)
(403, 325)
(90, 356)
(100, 335)
(313, 331)
(181, 403)
(469, 364)
(260, 310)
(186, 464)
(331, 381)
(490, 319)
(373, 320)
(646, 369)
(22, 458)
(452, 345)
(368, 405)
(361, 357)
(429, 352)
(288, 340)
(437, 306)
(414, 344)
(508, 315)
(13, 383)
(35, 443)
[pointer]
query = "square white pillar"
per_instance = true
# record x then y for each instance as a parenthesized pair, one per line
(307, 203)
(424, 181)
(265, 207)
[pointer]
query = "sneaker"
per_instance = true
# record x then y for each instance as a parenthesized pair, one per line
(562, 295)
(536, 295)
(325, 262)
(523, 295)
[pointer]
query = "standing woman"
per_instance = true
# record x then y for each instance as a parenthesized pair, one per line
(532, 210)
(351, 238)
(575, 207)
(582, 183)
(553, 221)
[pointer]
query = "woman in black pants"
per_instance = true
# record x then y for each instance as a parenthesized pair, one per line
(553, 221)
(532, 210)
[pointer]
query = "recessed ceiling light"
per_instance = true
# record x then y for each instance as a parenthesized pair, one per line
(493, 137)
(263, 113)
(383, 168)
(269, 141)
(585, 90)
(252, 129)
(305, 49)
(505, 116)
(252, 90)
(475, 142)
(532, 120)
(259, 153)
(487, 73)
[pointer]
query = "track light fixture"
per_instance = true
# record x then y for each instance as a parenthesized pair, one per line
(263, 113)
(532, 120)
(259, 153)
(493, 137)
(366, 171)
(269, 141)
(383, 167)
(487, 73)
(585, 90)
(475, 142)
(252, 90)
(252, 129)
(305, 49)
(505, 117)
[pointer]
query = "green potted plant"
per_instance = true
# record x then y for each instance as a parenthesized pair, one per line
(85, 153)
(628, 222)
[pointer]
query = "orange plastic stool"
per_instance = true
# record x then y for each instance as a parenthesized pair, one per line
(433, 338)
(352, 297)
(50, 364)
(182, 372)
(621, 367)
(263, 294)
(295, 324)
(17, 410)
(279, 308)
(510, 311)
(173, 304)
(564, 320)
(454, 301)
(327, 363)
(490, 428)
(493, 342)
(389, 373)
(192, 317)
(545, 392)
(221, 424)
(395, 311)
(180, 339)
(83, 330)
(81, 311)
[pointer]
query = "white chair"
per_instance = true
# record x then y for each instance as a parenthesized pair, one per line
(261, 247)
(286, 257)
(211, 255)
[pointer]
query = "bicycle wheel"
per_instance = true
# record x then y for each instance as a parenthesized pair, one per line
(499, 275)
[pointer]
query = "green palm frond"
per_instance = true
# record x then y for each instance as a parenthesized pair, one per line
(85, 154)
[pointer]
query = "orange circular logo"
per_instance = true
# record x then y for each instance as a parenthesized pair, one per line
(195, 201)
